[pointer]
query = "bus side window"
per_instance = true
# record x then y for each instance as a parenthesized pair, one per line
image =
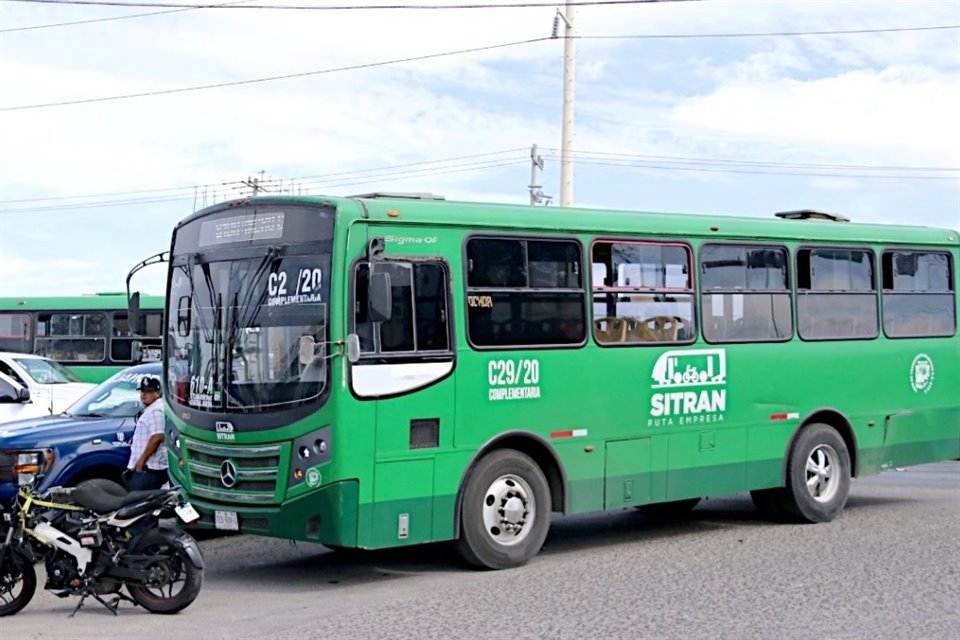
(419, 314)
(836, 294)
(918, 294)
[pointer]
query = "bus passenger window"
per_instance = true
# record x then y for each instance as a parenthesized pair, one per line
(524, 292)
(836, 294)
(745, 293)
(918, 294)
(642, 293)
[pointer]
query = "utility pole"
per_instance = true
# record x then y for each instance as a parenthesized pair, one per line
(536, 193)
(254, 184)
(566, 148)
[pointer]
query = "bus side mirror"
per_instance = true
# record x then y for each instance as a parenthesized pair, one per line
(308, 350)
(381, 297)
(136, 352)
(353, 347)
(184, 316)
(135, 318)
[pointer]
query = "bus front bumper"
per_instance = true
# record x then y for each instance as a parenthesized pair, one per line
(327, 515)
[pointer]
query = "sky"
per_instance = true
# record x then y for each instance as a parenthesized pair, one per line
(693, 117)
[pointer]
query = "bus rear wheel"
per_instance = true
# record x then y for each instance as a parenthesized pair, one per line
(505, 511)
(818, 477)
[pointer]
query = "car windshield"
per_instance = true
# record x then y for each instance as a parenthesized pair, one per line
(117, 397)
(46, 371)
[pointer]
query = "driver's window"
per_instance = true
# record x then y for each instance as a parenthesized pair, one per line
(419, 310)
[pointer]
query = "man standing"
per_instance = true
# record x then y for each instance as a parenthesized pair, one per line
(148, 455)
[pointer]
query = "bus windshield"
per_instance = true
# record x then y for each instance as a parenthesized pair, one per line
(247, 325)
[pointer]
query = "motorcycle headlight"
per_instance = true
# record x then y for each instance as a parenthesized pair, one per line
(31, 464)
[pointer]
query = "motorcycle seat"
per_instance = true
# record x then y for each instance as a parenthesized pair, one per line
(103, 496)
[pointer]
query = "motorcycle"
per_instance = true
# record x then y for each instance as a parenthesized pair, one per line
(96, 538)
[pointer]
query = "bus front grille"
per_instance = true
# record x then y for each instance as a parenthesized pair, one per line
(240, 474)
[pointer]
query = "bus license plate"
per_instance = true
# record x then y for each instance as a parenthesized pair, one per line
(187, 513)
(226, 520)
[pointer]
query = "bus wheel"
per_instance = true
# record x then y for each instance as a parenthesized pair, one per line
(669, 510)
(818, 475)
(505, 513)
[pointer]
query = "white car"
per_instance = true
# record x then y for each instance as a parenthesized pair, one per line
(33, 386)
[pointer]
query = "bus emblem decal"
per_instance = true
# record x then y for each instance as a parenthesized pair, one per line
(228, 474)
(921, 373)
(690, 387)
(225, 431)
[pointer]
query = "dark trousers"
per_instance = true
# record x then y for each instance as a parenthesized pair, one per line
(146, 479)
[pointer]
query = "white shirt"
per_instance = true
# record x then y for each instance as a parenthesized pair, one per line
(149, 424)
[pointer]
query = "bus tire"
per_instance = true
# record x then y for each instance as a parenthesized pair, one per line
(505, 511)
(818, 475)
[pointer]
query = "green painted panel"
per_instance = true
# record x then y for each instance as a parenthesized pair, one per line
(627, 473)
(400, 515)
(688, 475)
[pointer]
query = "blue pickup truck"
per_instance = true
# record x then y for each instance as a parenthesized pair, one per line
(90, 440)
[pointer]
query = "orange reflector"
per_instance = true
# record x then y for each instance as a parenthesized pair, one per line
(393, 213)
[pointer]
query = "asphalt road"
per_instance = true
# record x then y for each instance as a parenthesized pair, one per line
(888, 567)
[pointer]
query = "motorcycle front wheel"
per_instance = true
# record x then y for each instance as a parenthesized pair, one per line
(176, 582)
(18, 580)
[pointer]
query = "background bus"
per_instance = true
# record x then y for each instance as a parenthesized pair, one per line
(372, 372)
(89, 334)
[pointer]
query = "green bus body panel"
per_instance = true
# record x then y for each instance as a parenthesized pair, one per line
(593, 406)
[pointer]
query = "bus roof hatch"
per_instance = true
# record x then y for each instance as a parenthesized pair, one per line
(399, 194)
(811, 214)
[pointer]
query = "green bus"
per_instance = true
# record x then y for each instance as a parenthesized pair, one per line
(382, 370)
(90, 334)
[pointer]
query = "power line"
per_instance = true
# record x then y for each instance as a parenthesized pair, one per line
(429, 56)
(338, 179)
(230, 5)
(759, 163)
(108, 18)
(353, 7)
(625, 161)
(811, 174)
(272, 181)
(304, 74)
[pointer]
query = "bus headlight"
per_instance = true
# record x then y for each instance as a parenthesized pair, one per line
(309, 451)
(174, 442)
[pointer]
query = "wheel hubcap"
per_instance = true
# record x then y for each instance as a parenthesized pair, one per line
(823, 473)
(508, 510)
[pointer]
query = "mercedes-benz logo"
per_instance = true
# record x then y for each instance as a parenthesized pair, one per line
(228, 473)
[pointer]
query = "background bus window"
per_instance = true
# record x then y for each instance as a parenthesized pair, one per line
(836, 294)
(15, 332)
(918, 294)
(745, 293)
(642, 293)
(122, 337)
(525, 292)
(71, 337)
